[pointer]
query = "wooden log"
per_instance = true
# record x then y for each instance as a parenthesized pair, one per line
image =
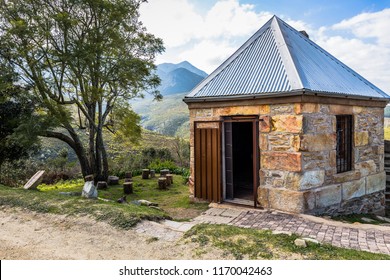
(128, 187)
(145, 173)
(102, 185)
(169, 179)
(113, 180)
(88, 178)
(162, 183)
(128, 180)
(164, 172)
(129, 175)
(152, 173)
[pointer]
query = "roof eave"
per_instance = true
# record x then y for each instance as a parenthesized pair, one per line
(188, 99)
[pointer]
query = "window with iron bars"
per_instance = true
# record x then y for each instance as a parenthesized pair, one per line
(344, 143)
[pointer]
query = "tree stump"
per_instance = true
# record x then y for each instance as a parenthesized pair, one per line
(169, 179)
(145, 173)
(128, 187)
(162, 183)
(164, 172)
(113, 180)
(129, 175)
(128, 180)
(88, 178)
(102, 185)
(152, 173)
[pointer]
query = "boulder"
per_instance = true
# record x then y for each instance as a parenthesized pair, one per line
(34, 181)
(89, 190)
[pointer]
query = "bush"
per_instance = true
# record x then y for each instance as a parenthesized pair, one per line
(158, 165)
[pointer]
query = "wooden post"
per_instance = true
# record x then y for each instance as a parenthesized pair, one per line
(169, 179)
(145, 173)
(88, 178)
(128, 187)
(162, 183)
(129, 175)
(102, 185)
(152, 173)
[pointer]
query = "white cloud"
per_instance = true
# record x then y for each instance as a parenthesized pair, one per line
(367, 51)
(207, 38)
(175, 21)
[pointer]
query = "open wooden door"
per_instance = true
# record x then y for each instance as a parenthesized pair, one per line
(208, 161)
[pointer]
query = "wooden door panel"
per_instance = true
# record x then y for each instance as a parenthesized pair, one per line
(208, 161)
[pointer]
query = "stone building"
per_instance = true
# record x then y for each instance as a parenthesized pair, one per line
(282, 124)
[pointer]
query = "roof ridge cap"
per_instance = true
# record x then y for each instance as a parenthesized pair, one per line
(285, 53)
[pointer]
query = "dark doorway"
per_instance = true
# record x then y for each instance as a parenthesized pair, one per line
(239, 160)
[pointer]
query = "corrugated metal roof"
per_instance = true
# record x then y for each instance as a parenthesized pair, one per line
(279, 59)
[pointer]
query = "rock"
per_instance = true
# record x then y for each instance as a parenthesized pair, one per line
(89, 190)
(146, 203)
(113, 180)
(34, 181)
(102, 185)
(367, 220)
(70, 193)
(282, 232)
(122, 199)
(311, 240)
(384, 219)
(300, 243)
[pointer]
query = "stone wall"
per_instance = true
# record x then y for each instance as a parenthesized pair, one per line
(298, 156)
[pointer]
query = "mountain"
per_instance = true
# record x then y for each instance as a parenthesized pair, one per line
(181, 77)
(170, 116)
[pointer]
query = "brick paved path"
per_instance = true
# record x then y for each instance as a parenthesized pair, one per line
(370, 238)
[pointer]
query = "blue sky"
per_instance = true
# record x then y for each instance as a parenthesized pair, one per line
(207, 32)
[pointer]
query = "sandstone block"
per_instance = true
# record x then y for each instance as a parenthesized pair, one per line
(281, 161)
(263, 142)
(361, 138)
(312, 179)
(302, 108)
(265, 124)
(376, 183)
(286, 200)
(318, 142)
(237, 110)
(354, 189)
(279, 142)
(340, 109)
(296, 143)
(347, 176)
(366, 167)
(282, 109)
(203, 113)
(265, 109)
(328, 195)
(287, 123)
(293, 181)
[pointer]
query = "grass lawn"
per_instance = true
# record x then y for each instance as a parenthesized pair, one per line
(174, 202)
(262, 244)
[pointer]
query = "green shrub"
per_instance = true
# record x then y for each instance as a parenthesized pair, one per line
(158, 165)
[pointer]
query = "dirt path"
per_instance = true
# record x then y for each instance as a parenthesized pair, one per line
(27, 235)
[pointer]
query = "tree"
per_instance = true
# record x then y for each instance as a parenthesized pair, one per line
(15, 111)
(80, 55)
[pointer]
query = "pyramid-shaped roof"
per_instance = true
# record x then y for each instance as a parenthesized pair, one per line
(278, 59)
